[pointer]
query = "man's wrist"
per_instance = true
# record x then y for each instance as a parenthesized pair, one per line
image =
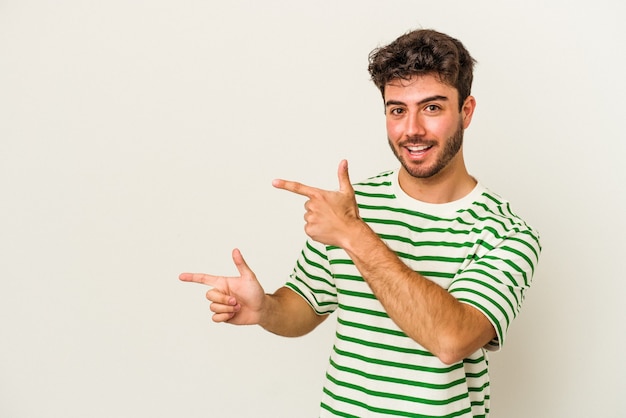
(359, 236)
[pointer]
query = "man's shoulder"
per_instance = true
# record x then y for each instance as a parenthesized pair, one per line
(490, 207)
(487, 201)
(382, 178)
(379, 184)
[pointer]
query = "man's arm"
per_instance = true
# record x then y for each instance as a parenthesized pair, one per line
(242, 301)
(288, 314)
(423, 310)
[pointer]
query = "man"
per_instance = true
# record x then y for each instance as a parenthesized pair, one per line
(424, 267)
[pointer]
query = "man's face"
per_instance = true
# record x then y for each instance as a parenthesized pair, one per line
(424, 124)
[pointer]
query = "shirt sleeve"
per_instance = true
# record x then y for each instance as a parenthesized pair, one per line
(313, 280)
(496, 282)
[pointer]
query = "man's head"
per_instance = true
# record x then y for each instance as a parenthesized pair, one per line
(423, 52)
(425, 78)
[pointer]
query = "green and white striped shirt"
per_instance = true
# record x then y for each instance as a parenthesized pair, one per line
(475, 247)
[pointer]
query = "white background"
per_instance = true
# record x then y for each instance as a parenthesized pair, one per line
(138, 139)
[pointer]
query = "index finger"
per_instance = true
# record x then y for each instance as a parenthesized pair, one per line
(198, 278)
(294, 187)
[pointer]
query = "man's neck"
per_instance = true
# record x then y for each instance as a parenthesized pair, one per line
(448, 185)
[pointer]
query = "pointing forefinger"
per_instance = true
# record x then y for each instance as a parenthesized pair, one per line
(198, 278)
(294, 187)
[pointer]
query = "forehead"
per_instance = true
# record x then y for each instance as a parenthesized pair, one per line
(418, 87)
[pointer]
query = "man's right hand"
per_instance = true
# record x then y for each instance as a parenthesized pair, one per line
(236, 300)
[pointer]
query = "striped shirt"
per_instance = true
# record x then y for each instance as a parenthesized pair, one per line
(475, 247)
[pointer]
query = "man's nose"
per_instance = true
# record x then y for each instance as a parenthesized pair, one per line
(415, 126)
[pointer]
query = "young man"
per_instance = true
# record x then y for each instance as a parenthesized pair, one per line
(425, 268)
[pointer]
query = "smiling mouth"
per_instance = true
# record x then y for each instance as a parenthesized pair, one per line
(418, 149)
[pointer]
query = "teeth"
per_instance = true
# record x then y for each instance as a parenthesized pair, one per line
(418, 148)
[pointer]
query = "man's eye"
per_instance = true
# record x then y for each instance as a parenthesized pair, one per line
(396, 111)
(432, 108)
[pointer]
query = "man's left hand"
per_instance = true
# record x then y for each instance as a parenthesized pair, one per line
(330, 215)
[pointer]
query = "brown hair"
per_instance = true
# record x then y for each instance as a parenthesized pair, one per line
(422, 52)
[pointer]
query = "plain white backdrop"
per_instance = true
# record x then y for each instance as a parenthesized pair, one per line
(138, 139)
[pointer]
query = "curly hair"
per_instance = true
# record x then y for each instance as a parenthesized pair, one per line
(421, 52)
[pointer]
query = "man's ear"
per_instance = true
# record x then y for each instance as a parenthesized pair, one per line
(467, 110)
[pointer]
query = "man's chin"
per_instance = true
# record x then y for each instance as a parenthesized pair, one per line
(419, 171)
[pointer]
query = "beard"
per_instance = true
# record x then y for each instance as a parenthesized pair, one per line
(421, 170)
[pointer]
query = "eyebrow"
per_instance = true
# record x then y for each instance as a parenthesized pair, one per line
(421, 102)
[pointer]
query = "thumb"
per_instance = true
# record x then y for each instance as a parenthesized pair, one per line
(241, 264)
(344, 177)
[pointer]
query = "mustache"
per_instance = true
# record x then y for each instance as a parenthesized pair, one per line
(416, 141)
